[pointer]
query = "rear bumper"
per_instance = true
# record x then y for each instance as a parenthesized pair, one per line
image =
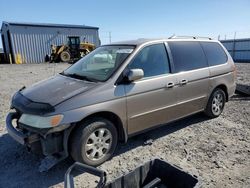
(231, 90)
(17, 134)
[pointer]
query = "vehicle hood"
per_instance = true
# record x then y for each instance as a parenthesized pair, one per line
(56, 89)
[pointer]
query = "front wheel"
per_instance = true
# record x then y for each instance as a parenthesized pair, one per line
(216, 103)
(94, 142)
(65, 56)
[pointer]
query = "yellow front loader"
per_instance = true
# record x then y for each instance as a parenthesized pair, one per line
(73, 51)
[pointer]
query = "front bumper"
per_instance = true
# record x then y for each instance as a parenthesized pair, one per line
(44, 141)
(53, 143)
(17, 134)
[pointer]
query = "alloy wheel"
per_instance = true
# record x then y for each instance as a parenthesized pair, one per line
(217, 103)
(98, 144)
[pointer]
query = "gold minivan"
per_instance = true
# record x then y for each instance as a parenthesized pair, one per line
(118, 91)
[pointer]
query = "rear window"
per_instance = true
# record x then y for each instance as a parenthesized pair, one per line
(214, 52)
(187, 55)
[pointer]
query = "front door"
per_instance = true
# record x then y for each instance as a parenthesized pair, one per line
(151, 100)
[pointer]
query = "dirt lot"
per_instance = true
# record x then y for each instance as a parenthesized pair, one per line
(215, 150)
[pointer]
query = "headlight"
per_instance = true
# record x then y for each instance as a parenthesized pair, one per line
(40, 121)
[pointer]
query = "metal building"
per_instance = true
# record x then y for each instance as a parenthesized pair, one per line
(30, 43)
(238, 48)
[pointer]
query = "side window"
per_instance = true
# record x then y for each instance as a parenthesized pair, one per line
(214, 52)
(153, 60)
(187, 55)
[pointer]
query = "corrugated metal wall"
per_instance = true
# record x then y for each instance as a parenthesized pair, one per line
(239, 49)
(32, 44)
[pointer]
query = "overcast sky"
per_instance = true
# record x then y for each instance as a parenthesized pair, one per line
(130, 19)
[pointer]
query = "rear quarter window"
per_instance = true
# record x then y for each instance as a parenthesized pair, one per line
(214, 53)
(187, 55)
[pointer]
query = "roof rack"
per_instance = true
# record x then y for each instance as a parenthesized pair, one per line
(188, 37)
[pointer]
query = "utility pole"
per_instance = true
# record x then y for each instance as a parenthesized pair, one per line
(218, 37)
(234, 35)
(234, 46)
(109, 36)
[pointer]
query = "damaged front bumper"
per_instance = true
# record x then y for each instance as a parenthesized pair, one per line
(18, 135)
(52, 143)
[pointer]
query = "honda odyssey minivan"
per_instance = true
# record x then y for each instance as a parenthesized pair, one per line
(118, 91)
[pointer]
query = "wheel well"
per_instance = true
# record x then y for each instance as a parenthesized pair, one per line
(224, 88)
(111, 117)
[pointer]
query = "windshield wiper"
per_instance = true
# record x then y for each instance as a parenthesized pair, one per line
(78, 76)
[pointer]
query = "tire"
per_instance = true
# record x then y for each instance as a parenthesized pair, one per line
(216, 103)
(65, 56)
(88, 145)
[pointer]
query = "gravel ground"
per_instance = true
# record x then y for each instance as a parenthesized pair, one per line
(243, 73)
(216, 150)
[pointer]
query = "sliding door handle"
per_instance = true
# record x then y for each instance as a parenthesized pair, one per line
(183, 82)
(170, 85)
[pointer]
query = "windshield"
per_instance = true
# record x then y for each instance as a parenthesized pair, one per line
(100, 64)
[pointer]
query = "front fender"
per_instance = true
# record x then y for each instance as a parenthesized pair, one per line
(117, 107)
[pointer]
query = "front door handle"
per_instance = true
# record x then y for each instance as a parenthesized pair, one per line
(183, 82)
(170, 85)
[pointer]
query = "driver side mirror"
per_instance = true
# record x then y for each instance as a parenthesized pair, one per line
(135, 74)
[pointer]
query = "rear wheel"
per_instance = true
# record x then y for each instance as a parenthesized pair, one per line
(65, 56)
(94, 142)
(216, 103)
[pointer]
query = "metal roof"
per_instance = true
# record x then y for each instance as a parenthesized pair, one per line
(236, 40)
(50, 25)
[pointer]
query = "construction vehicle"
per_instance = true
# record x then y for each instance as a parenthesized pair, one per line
(72, 51)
